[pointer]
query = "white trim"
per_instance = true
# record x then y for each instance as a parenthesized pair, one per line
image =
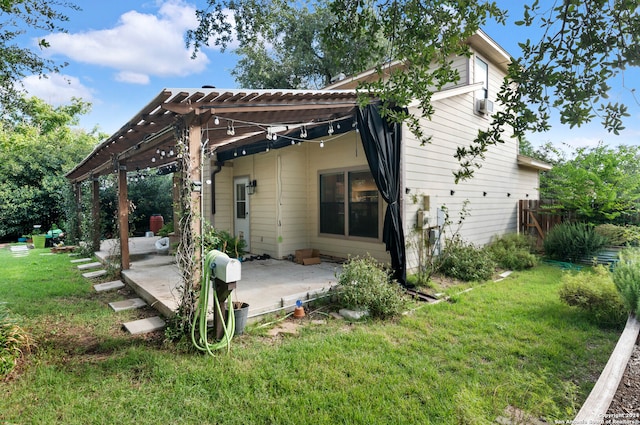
(444, 94)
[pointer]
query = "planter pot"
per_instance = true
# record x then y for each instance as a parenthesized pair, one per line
(39, 241)
(241, 312)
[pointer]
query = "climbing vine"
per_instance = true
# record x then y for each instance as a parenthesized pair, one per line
(185, 255)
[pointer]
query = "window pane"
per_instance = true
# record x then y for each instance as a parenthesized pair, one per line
(241, 201)
(332, 204)
(363, 205)
(482, 75)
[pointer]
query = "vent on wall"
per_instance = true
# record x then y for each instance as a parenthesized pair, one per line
(485, 106)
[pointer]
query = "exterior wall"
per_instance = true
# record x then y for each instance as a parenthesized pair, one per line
(345, 152)
(284, 211)
(428, 170)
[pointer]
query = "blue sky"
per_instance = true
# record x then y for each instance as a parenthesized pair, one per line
(122, 53)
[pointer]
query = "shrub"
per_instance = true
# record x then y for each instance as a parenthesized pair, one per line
(13, 341)
(365, 284)
(619, 235)
(166, 229)
(626, 276)
(594, 292)
(466, 262)
(572, 242)
(513, 252)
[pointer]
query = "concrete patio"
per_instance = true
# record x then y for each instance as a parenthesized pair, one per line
(266, 285)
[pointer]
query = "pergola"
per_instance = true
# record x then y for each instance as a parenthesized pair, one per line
(181, 126)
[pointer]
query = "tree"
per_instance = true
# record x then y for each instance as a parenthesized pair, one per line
(37, 147)
(281, 44)
(17, 62)
(599, 185)
(586, 43)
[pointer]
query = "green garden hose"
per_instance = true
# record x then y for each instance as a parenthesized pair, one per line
(200, 316)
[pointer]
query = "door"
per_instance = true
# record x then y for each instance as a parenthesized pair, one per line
(241, 209)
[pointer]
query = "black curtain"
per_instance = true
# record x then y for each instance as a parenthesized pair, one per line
(381, 140)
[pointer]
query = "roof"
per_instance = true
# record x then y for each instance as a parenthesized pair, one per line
(230, 118)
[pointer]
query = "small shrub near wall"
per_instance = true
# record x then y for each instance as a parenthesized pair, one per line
(513, 252)
(365, 284)
(466, 262)
(594, 292)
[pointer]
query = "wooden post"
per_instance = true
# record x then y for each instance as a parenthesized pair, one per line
(77, 192)
(95, 213)
(195, 177)
(123, 216)
(177, 206)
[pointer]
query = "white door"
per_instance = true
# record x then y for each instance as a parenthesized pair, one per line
(241, 209)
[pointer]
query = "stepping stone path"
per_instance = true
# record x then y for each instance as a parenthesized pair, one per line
(88, 266)
(19, 250)
(108, 286)
(80, 260)
(131, 304)
(93, 275)
(142, 326)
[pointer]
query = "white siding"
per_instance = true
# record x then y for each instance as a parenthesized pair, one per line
(428, 170)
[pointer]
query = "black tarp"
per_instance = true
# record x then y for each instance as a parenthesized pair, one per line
(381, 140)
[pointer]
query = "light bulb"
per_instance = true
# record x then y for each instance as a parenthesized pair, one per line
(322, 143)
(153, 159)
(216, 121)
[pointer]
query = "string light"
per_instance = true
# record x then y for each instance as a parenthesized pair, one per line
(322, 143)
(216, 121)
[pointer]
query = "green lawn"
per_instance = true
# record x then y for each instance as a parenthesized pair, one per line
(510, 343)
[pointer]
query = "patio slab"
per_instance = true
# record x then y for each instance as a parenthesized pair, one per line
(266, 285)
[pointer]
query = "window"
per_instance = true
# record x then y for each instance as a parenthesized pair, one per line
(482, 75)
(349, 204)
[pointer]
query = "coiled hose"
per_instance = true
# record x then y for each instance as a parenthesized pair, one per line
(200, 316)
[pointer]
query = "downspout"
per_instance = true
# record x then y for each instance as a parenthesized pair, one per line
(219, 165)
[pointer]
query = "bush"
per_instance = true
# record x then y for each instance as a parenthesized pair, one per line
(166, 229)
(365, 284)
(594, 292)
(572, 242)
(619, 235)
(466, 262)
(626, 276)
(13, 342)
(513, 252)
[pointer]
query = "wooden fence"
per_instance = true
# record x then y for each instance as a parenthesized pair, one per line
(536, 218)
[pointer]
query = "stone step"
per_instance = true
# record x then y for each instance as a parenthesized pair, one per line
(131, 304)
(92, 275)
(108, 286)
(143, 326)
(89, 266)
(80, 260)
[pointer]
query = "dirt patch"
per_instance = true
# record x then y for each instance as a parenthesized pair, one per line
(627, 397)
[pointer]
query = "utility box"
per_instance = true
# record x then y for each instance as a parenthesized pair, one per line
(226, 269)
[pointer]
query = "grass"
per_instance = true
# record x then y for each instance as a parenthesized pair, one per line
(511, 343)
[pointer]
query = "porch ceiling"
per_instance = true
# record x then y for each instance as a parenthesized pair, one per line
(250, 113)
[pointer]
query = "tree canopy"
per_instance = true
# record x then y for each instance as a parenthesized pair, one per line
(585, 45)
(16, 61)
(598, 185)
(37, 147)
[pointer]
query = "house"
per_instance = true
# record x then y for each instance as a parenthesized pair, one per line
(287, 170)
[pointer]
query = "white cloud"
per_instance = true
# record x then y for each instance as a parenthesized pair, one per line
(141, 45)
(132, 77)
(57, 89)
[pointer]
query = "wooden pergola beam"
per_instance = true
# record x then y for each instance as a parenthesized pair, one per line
(123, 216)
